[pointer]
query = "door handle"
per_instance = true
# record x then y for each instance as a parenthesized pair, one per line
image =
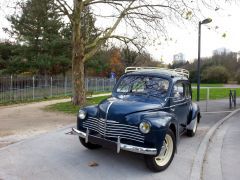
(172, 109)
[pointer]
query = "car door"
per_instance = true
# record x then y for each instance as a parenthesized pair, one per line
(188, 97)
(179, 105)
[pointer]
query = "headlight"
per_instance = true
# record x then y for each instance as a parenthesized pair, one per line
(82, 114)
(145, 127)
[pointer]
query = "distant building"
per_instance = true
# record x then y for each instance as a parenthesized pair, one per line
(221, 51)
(179, 58)
(238, 56)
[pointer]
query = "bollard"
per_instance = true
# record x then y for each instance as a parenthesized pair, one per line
(33, 87)
(230, 99)
(235, 98)
(207, 99)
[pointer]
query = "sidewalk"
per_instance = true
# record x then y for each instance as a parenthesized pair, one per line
(216, 105)
(222, 160)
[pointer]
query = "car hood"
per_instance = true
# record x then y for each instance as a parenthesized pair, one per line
(117, 109)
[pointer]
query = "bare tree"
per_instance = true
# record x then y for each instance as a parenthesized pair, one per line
(144, 17)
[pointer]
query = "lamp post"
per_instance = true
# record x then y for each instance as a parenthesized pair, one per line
(205, 21)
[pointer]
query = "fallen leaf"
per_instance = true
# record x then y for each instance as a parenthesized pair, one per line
(93, 164)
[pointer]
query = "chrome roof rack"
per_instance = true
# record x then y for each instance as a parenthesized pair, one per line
(178, 71)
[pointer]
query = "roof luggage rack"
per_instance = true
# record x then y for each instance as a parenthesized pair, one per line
(179, 71)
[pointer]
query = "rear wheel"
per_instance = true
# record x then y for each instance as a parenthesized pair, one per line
(89, 145)
(163, 160)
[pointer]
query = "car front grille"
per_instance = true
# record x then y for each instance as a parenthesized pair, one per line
(113, 129)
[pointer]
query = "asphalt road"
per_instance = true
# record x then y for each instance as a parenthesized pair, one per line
(58, 156)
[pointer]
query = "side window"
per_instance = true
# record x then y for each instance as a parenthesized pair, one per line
(187, 91)
(178, 92)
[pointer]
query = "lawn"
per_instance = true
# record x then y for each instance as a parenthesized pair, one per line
(68, 107)
(208, 85)
(214, 93)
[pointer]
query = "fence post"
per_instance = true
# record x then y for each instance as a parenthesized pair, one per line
(230, 99)
(208, 90)
(51, 92)
(65, 85)
(96, 84)
(104, 85)
(33, 81)
(11, 87)
(235, 98)
(87, 84)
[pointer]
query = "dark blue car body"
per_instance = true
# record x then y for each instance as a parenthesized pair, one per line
(116, 120)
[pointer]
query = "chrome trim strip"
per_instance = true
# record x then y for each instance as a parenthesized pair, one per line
(123, 126)
(141, 150)
(125, 133)
(95, 126)
(124, 136)
(111, 102)
(105, 127)
(78, 133)
(118, 145)
(126, 147)
(87, 133)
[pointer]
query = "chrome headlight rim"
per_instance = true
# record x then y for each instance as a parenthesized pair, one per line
(145, 127)
(82, 114)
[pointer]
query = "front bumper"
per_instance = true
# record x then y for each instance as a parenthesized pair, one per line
(115, 145)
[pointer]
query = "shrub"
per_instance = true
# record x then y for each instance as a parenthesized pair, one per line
(215, 74)
(237, 76)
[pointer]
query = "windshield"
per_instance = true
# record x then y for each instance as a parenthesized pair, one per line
(143, 85)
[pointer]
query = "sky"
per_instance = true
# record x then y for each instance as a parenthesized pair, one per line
(183, 37)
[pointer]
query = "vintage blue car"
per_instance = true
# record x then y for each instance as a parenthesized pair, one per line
(148, 111)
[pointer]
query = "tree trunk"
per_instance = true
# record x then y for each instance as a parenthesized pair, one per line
(78, 67)
(78, 82)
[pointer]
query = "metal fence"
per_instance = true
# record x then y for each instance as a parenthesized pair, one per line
(215, 98)
(24, 88)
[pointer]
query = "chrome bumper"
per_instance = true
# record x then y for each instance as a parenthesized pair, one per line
(120, 146)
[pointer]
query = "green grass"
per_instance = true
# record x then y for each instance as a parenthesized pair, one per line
(68, 107)
(208, 85)
(214, 93)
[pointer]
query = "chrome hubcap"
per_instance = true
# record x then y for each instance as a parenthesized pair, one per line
(166, 152)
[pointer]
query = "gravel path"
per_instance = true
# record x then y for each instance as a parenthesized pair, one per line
(19, 122)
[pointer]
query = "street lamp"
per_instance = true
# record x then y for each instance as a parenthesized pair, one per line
(205, 21)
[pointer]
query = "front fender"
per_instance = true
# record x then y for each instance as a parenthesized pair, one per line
(160, 123)
(91, 111)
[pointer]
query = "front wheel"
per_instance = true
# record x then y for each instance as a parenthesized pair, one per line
(163, 160)
(89, 145)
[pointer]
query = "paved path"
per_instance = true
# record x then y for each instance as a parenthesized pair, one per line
(18, 122)
(222, 160)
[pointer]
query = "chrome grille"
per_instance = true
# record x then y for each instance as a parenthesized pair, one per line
(113, 129)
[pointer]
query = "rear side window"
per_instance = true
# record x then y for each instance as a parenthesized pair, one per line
(178, 91)
(187, 91)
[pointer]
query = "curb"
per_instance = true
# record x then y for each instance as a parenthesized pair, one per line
(196, 171)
